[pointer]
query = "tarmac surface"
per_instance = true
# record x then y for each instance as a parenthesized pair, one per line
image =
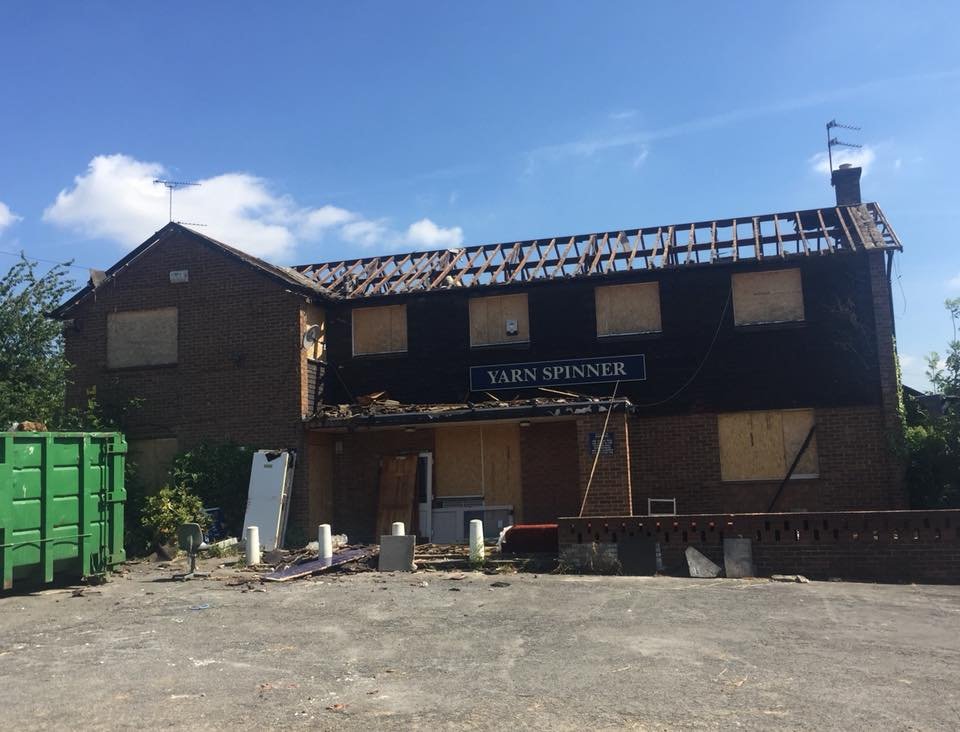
(450, 650)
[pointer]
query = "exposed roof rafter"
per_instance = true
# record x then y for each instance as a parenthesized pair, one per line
(781, 235)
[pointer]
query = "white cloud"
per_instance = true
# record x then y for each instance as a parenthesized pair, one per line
(624, 114)
(426, 233)
(7, 217)
(367, 233)
(858, 157)
(321, 219)
(897, 164)
(954, 282)
(116, 198)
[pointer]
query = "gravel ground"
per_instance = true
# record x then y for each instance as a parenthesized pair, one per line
(447, 650)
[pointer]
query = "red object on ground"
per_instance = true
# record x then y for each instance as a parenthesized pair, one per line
(531, 539)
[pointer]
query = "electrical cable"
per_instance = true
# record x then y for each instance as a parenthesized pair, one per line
(723, 315)
(68, 263)
(596, 457)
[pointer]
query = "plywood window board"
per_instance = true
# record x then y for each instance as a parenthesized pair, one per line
(499, 319)
(763, 445)
(479, 461)
(142, 338)
(380, 330)
(628, 309)
(768, 297)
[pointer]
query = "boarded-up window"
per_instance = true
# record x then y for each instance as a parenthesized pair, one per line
(499, 319)
(380, 330)
(628, 309)
(763, 445)
(767, 297)
(142, 338)
(479, 461)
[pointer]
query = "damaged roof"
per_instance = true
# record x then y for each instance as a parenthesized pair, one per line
(777, 236)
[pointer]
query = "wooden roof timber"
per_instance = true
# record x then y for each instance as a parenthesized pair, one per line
(796, 233)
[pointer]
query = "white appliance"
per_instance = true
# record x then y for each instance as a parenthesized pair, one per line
(268, 498)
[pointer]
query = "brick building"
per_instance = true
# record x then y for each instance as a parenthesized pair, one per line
(733, 365)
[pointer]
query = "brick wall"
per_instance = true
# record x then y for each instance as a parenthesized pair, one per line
(610, 487)
(549, 470)
(679, 457)
(237, 375)
(887, 360)
(888, 546)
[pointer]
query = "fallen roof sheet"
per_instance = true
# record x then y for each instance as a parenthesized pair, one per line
(751, 238)
(305, 569)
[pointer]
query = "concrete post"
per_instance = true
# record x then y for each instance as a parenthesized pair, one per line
(253, 545)
(398, 529)
(325, 541)
(476, 540)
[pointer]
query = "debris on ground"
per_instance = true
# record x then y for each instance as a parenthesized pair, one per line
(316, 565)
(789, 578)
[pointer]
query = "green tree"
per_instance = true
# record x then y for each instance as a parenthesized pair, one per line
(933, 434)
(33, 369)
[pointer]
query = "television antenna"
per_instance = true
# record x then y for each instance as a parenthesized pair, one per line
(171, 186)
(834, 142)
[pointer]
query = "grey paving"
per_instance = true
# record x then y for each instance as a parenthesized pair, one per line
(374, 651)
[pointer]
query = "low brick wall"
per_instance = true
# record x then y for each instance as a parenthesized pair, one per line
(880, 546)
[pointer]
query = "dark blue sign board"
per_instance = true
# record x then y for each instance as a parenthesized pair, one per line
(606, 448)
(597, 370)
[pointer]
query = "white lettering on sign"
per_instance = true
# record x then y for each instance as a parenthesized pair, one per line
(556, 373)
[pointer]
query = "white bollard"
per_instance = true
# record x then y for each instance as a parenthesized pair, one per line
(253, 545)
(476, 540)
(325, 541)
(398, 529)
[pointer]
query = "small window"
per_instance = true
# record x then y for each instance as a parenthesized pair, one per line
(767, 297)
(499, 319)
(142, 338)
(628, 309)
(763, 445)
(380, 330)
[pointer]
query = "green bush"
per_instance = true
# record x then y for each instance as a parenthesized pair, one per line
(219, 474)
(165, 511)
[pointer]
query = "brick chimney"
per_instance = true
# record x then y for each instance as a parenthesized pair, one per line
(846, 181)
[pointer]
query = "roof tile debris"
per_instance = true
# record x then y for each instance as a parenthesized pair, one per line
(381, 410)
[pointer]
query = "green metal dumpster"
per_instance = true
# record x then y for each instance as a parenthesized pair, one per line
(61, 505)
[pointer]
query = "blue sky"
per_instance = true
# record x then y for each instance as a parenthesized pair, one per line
(323, 130)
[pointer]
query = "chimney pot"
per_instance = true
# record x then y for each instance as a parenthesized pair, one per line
(846, 182)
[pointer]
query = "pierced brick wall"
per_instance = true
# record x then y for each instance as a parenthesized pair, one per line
(884, 546)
